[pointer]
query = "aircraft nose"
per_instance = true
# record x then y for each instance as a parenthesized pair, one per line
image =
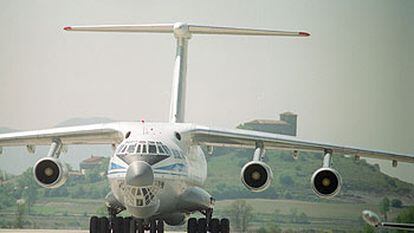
(139, 173)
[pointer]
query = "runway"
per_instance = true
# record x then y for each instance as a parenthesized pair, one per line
(41, 231)
(51, 231)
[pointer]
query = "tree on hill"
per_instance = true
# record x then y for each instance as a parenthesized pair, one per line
(241, 214)
(406, 216)
(368, 229)
(20, 213)
(396, 203)
(384, 207)
(27, 189)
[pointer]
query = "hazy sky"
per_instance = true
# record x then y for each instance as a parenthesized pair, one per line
(351, 82)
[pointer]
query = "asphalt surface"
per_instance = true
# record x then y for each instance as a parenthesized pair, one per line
(41, 231)
(47, 231)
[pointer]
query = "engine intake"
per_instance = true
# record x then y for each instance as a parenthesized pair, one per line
(256, 176)
(326, 182)
(50, 173)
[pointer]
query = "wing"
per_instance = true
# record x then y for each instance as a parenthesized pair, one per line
(110, 133)
(249, 139)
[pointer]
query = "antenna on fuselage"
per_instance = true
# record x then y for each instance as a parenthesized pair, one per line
(183, 32)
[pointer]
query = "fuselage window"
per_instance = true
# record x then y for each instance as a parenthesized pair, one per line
(144, 149)
(139, 149)
(131, 148)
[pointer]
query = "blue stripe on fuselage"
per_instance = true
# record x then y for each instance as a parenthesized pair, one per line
(116, 166)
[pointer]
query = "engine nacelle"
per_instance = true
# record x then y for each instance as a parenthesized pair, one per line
(256, 176)
(50, 172)
(326, 182)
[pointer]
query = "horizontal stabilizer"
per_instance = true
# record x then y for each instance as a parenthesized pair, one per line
(160, 28)
(186, 28)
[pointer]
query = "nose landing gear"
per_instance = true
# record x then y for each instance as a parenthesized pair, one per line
(124, 225)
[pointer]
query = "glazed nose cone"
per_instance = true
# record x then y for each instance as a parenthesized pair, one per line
(139, 174)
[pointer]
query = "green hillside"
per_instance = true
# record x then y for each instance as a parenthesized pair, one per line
(289, 202)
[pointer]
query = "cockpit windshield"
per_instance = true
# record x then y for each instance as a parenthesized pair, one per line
(141, 148)
(146, 150)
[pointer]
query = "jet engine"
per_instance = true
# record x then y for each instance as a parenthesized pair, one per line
(50, 172)
(256, 176)
(326, 182)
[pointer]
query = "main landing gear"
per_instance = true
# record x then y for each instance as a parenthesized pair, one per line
(214, 226)
(115, 224)
(208, 224)
(124, 225)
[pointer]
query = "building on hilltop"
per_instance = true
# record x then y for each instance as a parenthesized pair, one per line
(286, 125)
(90, 163)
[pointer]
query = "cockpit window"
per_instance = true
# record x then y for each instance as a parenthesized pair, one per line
(166, 149)
(152, 149)
(160, 149)
(131, 148)
(146, 147)
(123, 149)
(120, 147)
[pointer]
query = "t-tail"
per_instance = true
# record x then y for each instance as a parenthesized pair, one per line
(183, 32)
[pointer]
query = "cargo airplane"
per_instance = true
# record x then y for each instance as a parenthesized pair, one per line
(157, 170)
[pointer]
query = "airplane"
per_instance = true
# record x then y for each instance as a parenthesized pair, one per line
(157, 170)
(372, 219)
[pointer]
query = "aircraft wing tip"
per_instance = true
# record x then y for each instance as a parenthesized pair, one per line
(67, 28)
(304, 34)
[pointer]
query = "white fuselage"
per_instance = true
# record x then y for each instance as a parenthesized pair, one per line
(177, 165)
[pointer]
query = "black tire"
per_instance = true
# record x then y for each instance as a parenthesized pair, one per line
(160, 226)
(93, 224)
(126, 224)
(192, 225)
(140, 226)
(103, 225)
(118, 225)
(225, 225)
(214, 225)
(202, 225)
(153, 226)
(133, 226)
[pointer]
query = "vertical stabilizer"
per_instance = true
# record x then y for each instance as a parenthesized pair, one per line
(182, 32)
(178, 91)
